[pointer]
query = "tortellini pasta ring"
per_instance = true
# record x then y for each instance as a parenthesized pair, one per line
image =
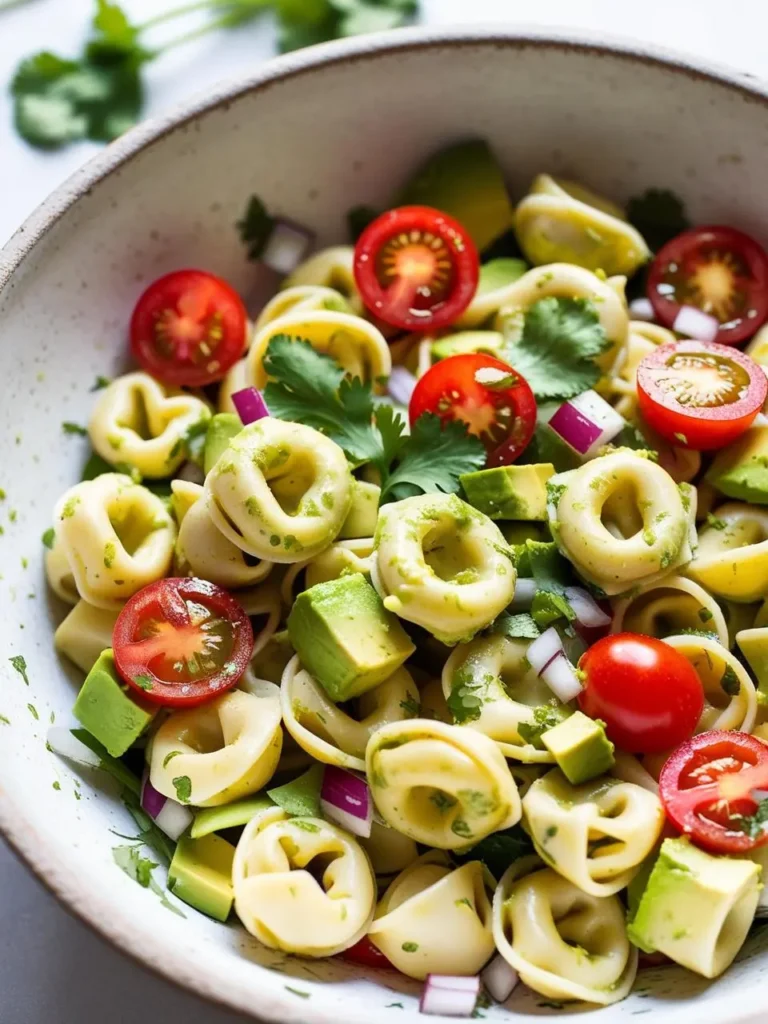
(59, 574)
(303, 298)
(642, 339)
(730, 700)
(343, 556)
(330, 268)
(732, 557)
(667, 607)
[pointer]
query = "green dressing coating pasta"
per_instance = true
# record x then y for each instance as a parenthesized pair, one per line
(116, 537)
(280, 491)
(441, 785)
(730, 699)
(732, 557)
(141, 423)
(667, 607)
(621, 520)
(443, 565)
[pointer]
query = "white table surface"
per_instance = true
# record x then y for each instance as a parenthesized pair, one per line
(52, 969)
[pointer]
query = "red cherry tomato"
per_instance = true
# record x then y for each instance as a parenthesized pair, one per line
(698, 395)
(718, 270)
(646, 692)
(494, 402)
(365, 953)
(180, 642)
(707, 790)
(416, 268)
(188, 328)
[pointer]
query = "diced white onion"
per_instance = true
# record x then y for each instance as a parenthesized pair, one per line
(174, 819)
(642, 309)
(543, 649)
(628, 769)
(588, 612)
(525, 591)
(560, 676)
(62, 742)
(192, 472)
(693, 323)
(449, 996)
(401, 384)
(586, 423)
(500, 978)
(287, 246)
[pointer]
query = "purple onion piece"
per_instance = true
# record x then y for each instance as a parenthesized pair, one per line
(250, 405)
(151, 801)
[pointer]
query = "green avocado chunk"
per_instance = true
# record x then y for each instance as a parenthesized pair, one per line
(221, 429)
(109, 710)
(201, 874)
(741, 469)
(510, 492)
(696, 907)
(498, 273)
(363, 512)
(462, 342)
(465, 181)
(753, 644)
(580, 747)
(345, 637)
(216, 819)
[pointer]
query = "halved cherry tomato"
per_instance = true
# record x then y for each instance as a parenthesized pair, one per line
(707, 790)
(700, 396)
(718, 270)
(416, 268)
(181, 641)
(493, 400)
(188, 328)
(646, 692)
(365, 953)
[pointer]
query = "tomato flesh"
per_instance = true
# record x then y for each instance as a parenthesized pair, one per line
(487, 395)
(188, 328)
(707, 789)
(699, 395)
(717, 269)
(365, 953)
(416, 268)
(182, 641)
(646, 692)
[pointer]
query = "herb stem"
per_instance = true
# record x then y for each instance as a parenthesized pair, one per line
(174, 12)
(224, 22)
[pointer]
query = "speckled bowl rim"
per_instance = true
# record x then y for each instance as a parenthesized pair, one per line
(61, 877)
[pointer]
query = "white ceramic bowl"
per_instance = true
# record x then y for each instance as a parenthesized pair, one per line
(313, 134)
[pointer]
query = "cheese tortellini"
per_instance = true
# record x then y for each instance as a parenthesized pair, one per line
(341, 558)
(390, 852)
(116, 537)
(441, 785)
(489, 686)
(302, 885)
(143, 424)
(669, 606)
(563, 942)
(306, 298)
(641, 341)
(281, 491)
(597, 834)
(562, 220)
(622, 520)
(332, 734)
(423, 912)
(443, 565)
(220, 751)
(732, 557)
(730, 700)
(330, 268)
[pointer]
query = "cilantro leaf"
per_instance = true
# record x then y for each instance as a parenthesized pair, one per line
(468, 694)
(545, 718)
(129, 860)
(520, 626)
(754, 824)
(19, 662)
(499, 850)
(547, 607)
(73, 428)
(558, 347)
(730, 682)
(432, 458)
(255, 227)
(192, 443)
(49, 537)
(658, 215)
(306, 22)
(183, 786)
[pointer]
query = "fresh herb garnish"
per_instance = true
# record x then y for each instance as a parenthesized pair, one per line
(73, 428)
(192, 443)
(411, 707)
(545, 718)
(658, 215)
(169, 757)
(499, 850)
(301, 797)
(753, 824)
(130, 860)
(33, 711)
(730, 682)
(183, 786)
(519, 626)
(100, 383)
(715, 523)
(49, 537)
(468, 694)
(255, 227)
(145, 683)
(19, 662)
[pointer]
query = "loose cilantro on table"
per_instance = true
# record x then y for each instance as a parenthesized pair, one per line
(49, 537)
(558, 347)
(74, 428)
(658, 215)
(19, 662)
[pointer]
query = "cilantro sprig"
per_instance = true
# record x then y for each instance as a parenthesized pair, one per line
(308, 387)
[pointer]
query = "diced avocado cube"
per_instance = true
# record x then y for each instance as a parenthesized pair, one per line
(201, 874)
(740, 470)
(85, 633)
(109, 710)
(510, 492)
(500, 273)
(580, 747)
(216, 819)
(696, 908)
(345, 637)
(221, 429)
(463, 342)
(465, 181)
(753, 644)
(363, 512)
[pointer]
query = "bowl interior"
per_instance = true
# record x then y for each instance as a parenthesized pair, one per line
(312, 135)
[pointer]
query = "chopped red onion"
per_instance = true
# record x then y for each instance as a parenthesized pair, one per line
(449, 995)
(586, 423)
(544, 649)
(250, 405)
(560, 676)
(169, 816)
(589, 614)
(346, 800)
(61, 741)
(642, 309)
(500, 978)
(401, 384)
(525, 591)
(694, 323)
(287, 246)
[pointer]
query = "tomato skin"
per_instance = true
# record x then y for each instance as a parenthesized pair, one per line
(367, 955)
(715, 268)
(646, 692)
(416, 268)
(188, 328)
(703, 427)
(478, 405)
(691, 783)
(156, 631)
